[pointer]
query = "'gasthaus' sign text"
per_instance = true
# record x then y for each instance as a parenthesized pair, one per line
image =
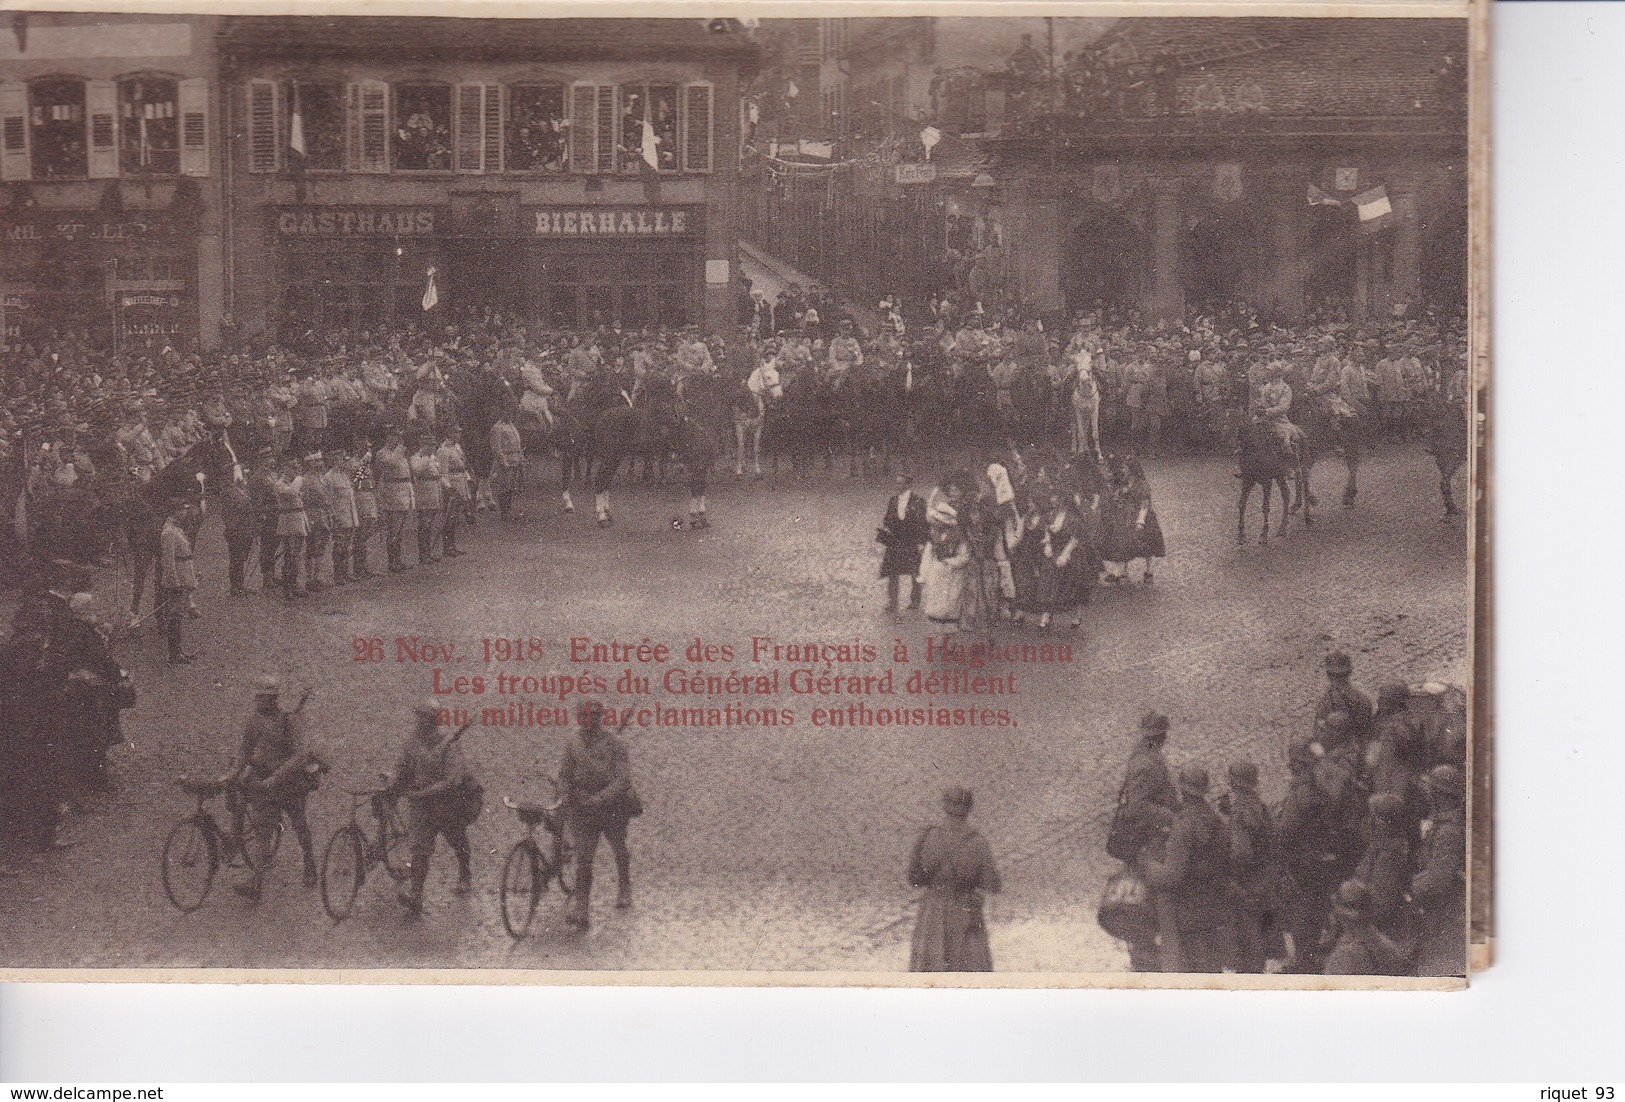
(631, 222)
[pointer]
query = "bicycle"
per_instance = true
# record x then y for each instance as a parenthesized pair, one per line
(198, 845)
(351, 854)
(531, 865)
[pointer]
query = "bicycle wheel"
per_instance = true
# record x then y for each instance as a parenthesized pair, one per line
(564, 865)
(191, 859)
(344, 867)
(522, 886)
(397, 844)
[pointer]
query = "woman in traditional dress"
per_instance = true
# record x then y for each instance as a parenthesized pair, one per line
(983, 525)
(1061, 571)
(947, 554)
(954, 864)
(1023, 541)
(1132, 529)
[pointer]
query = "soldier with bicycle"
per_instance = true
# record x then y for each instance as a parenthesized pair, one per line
(272, 778)
(436, 783)
(595, 780)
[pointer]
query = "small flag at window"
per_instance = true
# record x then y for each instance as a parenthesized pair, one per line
(431, 294)
(296, 129)
(1375, 209)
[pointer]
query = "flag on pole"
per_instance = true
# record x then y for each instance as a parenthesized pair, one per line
(1375, 209)
(929, 137)
(431, 294)
(1318, 198)
(296, 128)
(649, 160)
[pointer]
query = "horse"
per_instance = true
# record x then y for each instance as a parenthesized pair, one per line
(1324, 430)
(750, 402)
(1266, 465)
(187, 476)
(1083, 400)
(1445, 435)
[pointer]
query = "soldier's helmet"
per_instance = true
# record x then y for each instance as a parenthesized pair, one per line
(1339, 664)
(957, 801)
(1352, 901)
(267, 686)
(428, 706)
(1193, 780)
(590, 714)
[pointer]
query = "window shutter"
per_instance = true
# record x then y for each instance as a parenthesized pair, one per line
(493, 128)
(605, 127)
(193, 105)
(697, 138)
(583, 131)
(469, 142)
(368, 110)
(264, 135)
(101, 111)
(14, 163)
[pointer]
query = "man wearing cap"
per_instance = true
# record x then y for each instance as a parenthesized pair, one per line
(310, 411)
(595, 783)
(292, 526)
(507, 461)
(954, 864)
(392, 468)
(1191, 881)
(1274, 406)
(342, 516)
(177, 580)
(263, 495)
(430, 776)
(1308, 842)
(1438, 889)
(272, 777)
(1385, 866)
(1361, 949)
(429, 495)
(1148, 800)
(1342, 696)
(240, 520)
(318, 522)
(1252, 866)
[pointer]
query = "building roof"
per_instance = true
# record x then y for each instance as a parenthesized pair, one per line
(421, 38)
(1306, 67)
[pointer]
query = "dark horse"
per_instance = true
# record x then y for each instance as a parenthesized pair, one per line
(1445, 432)
(142, 510)
(1324, 431)
(1267, 465)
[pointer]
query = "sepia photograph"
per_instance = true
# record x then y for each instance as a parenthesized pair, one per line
(812, 500)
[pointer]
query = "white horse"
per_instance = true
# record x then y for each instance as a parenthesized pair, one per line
(764, 385)
(1085, 404)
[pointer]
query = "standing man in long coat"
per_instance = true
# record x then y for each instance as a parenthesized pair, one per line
(954, 864)
(903, 533)
(1439, 887)
(1192, 882)
(595, 782)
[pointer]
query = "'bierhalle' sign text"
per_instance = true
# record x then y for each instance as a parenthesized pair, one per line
(613, 222)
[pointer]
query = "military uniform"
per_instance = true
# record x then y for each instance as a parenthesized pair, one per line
(595, 779)
(344, 519)
(239, 518)
(1439, 886)
(1191, 881)
(428, 492)
(273, 783)
(440, 814)
(292, 527)
(393, 471)
(366, 517)
(319, 522)
(177, 580)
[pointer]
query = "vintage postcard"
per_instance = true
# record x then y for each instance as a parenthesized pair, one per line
(799, 494)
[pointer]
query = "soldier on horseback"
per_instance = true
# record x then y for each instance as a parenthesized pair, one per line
(1273, 404)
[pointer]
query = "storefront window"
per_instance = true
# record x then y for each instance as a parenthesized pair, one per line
(656, 103)
(316, 120)
(361, 285)
(422, 134)
(56, 116)
(149, 131)
(538, 129)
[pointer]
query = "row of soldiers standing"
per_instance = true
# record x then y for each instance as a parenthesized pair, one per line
(314, 518)
(1361, 869)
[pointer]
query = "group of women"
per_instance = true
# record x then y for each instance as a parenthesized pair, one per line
(1032, 537)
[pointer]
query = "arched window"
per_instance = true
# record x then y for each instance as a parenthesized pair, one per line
(149, 126)
(420, 139)
(537, 128)
(56, 122)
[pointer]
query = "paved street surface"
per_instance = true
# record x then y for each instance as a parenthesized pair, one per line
(762, 848)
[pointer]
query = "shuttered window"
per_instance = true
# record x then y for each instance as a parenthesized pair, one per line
(14, 132)
(592, 131)
(194, 110)
(470, 137)
(604, 129)
(369, 126)
(698, 125)
(264, 148)
(101, 104)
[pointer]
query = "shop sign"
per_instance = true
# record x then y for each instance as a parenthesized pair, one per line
(68, 227)
(614, 221)
(916, 174)
(149, 299)
(356, 222)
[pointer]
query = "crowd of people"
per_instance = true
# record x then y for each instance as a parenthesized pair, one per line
(1360, 870)
(1030, 535)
